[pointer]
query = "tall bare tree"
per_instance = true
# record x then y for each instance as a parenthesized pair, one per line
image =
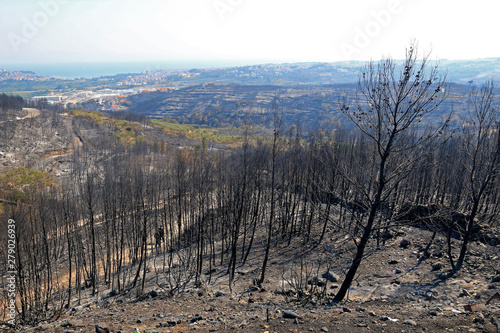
(390, 101)
(480, 144)
(278, 121)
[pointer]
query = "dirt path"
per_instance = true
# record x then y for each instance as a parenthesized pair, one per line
(76, 138)
(32, 113)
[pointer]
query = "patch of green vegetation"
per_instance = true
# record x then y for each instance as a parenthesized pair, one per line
(172, 126)
(95, 116)
(15, 181)
(197, 132)
(125, 131)
(18, 177)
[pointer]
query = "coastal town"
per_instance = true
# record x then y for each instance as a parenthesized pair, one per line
(108, 93)
(21, 75)
(105, 99)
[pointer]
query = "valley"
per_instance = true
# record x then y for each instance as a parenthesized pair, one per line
(282, 207)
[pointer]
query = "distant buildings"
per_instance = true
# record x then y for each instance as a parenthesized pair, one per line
(107, 99)
(48, 99)
(20, 76)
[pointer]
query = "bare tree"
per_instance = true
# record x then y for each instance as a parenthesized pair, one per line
(278, 121)
(388, 106)
(479, 141)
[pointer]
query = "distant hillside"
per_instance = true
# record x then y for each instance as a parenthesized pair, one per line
(479, 70)
(458, 71)
(288, 74)
(222, 105)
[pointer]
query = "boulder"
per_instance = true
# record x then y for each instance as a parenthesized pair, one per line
(330, 276)
(290, 315)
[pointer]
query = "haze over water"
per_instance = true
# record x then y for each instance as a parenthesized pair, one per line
(98, 69)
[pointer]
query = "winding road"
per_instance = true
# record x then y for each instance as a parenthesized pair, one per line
(32, 113)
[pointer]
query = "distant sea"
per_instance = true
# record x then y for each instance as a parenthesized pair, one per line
(98, 69)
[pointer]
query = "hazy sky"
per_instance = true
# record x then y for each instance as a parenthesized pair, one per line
(251, 31)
